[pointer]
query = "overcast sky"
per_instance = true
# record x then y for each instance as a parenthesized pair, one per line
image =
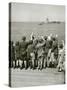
(21, 12)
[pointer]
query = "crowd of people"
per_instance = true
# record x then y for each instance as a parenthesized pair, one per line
(38, 53)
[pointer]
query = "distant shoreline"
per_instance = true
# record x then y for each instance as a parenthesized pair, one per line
(39, 22)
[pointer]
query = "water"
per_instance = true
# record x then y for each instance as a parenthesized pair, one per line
(19, 29)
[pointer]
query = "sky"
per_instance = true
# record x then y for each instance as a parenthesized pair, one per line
(23, 12)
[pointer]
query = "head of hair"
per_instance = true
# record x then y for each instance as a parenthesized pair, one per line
(45, 37)
(61, 46)
(35, 42)
(17, 43)
(53, 38)
(33, 37)
(12, 42)
(23, 38)
(40, 40)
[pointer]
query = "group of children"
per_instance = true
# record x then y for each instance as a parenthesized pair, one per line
(38, 53)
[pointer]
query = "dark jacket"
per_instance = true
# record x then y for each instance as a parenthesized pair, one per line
(17, 52)
(23, 48)
(12, 52)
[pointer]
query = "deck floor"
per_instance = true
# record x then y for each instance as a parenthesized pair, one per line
(48, 76)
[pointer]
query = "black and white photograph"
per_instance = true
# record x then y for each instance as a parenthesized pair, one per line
(36, 44)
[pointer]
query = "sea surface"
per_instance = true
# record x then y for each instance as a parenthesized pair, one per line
(19, 29)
